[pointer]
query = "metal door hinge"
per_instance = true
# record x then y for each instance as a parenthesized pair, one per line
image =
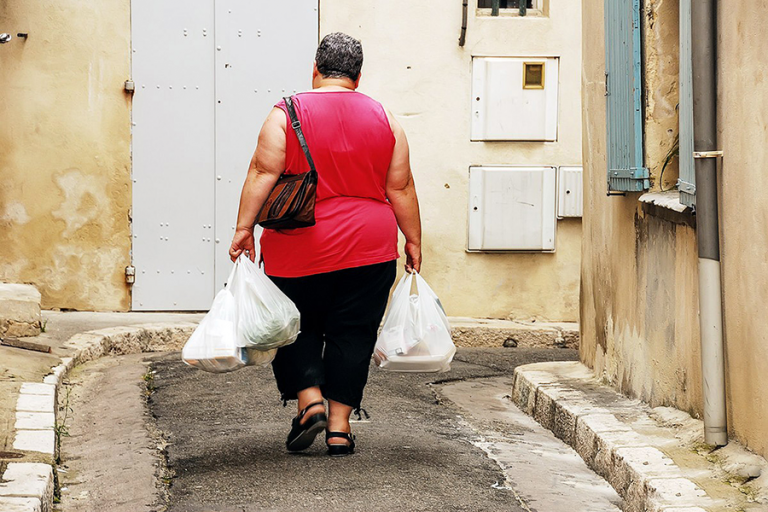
(130, 86)
(130, 274)
(684, 186)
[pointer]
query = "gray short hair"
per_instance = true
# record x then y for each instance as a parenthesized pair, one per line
(339, 56)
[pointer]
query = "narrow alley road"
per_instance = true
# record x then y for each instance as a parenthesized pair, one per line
(447, 442)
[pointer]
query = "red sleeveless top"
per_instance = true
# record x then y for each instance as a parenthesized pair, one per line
(351, 143)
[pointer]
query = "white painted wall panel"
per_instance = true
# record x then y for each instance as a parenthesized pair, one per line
(503, 110)
(512, 209)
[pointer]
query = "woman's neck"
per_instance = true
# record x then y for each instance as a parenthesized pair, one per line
(333, 84)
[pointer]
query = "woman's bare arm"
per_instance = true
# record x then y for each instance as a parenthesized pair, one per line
(267, 164)
(401, 193)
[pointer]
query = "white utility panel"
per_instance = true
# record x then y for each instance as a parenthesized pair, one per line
(512, 208)
(570, 191)
(514, 98)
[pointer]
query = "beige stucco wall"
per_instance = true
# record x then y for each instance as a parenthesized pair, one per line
(639, 284)
(743, 113)
(414, 66)
(639, 310)
(65, 151)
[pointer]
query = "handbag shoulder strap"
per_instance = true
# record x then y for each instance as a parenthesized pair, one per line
(296, 125)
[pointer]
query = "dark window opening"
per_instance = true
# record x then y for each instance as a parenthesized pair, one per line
(504, 4)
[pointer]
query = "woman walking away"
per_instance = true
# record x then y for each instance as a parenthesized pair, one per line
(339, 271)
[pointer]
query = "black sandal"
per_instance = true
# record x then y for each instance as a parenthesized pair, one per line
(340, 450)
(302, 435)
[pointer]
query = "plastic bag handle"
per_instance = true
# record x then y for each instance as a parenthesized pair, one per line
(407, 282)
(235, 266)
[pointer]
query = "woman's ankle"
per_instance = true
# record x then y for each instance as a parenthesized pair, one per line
(338, 416)
(310, 396)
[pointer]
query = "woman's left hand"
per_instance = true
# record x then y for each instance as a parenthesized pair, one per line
(242, 241)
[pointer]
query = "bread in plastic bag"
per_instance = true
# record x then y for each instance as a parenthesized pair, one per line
(416, 335)
(266, 317)
(214, 345)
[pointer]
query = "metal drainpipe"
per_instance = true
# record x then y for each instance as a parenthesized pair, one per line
(463, 36)
(703, 35)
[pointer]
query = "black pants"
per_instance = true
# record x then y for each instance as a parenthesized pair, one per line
(340, 315)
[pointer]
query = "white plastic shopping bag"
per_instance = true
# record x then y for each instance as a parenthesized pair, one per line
(247, 321)
(215, 347)
(416, 335)
(266, 317)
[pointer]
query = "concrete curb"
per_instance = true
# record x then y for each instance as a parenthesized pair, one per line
(643, 475)
(29, 486)
(480, 332)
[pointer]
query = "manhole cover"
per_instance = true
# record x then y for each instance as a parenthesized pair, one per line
(11, 455)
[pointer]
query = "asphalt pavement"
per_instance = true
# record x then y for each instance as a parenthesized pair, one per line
(226, 435)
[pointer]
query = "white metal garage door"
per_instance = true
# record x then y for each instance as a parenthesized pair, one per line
(207, 72)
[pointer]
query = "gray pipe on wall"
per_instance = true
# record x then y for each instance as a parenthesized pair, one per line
(704, 60)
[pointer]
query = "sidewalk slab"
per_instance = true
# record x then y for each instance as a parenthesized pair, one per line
(20, 505)
(655, 458)
(26, 484)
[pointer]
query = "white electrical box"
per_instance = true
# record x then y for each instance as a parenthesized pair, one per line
(570, 191)
(512, 208)
(514, 98)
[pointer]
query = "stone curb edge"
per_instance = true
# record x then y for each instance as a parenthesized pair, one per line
(641, 474)
(29, 486)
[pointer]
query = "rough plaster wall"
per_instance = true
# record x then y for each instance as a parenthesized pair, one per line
(639, 283)
(414, 66)
(660, 73)
(743, 109)
(65, 151)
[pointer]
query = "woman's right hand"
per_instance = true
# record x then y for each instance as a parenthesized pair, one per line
(412, 257)
(242, 241)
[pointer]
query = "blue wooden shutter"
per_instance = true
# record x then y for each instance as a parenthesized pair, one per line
(623, 85)
(687, 182)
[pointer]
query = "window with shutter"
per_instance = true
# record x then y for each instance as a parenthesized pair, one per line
(687, 182)
(623, 90)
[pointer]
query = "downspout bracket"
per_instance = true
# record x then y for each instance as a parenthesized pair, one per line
(707, 154)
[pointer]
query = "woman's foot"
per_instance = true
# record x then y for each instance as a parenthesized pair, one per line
(340, 443)
(339, 439)
(310, 421)
(305, 427)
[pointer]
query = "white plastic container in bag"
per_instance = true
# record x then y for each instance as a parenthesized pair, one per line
(416, 335)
